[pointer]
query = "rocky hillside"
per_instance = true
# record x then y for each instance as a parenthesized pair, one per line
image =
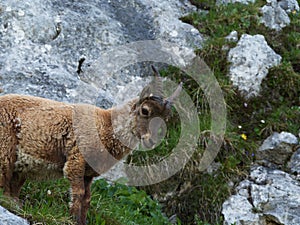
(100, 52)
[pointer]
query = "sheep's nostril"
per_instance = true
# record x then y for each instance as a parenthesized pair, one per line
(151, 142)
(157, 127)
(147, 141)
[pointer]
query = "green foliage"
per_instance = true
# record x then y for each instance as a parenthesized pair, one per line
(219, 21)
(120, 204)
(47, 203)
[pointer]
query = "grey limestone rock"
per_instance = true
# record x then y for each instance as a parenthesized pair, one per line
(238, 208)
(276, 150)
(294, 163)
(233, 36)
(289, 5)
(275, 13)
(46, 46)
(277, 138)
(7, 218)
(250, 61)
(266, 197)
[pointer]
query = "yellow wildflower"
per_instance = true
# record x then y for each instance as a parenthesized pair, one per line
(244, 136)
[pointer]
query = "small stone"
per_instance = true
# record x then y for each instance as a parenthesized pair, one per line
(213, 167)
(233, 36)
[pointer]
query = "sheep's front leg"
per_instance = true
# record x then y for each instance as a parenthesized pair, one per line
(87, 197)
(74, 170)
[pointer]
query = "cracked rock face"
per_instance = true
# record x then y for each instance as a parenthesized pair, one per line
(269, 195)
(294, 163)
(42, 43)
(250, 61)
(276, 150)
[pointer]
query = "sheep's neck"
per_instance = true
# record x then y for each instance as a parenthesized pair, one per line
(118, 129)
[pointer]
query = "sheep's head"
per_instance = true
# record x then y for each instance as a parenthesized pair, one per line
(151, 110)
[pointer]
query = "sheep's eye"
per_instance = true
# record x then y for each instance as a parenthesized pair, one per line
(144, 111)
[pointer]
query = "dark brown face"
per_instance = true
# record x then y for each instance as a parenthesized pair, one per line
(151, 111)
(150, 121)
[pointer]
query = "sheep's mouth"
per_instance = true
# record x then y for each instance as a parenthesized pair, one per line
(148, 143)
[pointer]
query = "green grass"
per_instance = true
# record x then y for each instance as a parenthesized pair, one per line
(47, 203)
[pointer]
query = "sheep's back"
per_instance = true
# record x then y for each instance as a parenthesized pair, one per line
(44, 132)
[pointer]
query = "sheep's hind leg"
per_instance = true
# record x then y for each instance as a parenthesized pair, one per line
(8, 143)
(16, 184)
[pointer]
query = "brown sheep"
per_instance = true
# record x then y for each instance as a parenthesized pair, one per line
(38, 140)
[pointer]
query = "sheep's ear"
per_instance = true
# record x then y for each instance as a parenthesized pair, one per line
(146, 92)
(157, 83)
(170, 100)
(154, 87)
(155, 71)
